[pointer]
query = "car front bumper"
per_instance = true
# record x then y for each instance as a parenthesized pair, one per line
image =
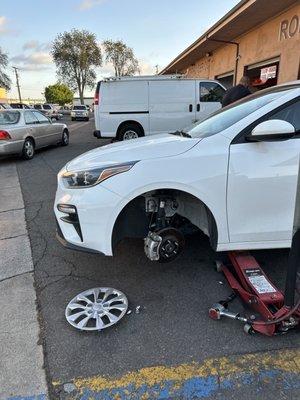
(80, 116)
(11, 147)
(96, 214)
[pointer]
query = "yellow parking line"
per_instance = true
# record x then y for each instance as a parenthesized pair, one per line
(187, 379)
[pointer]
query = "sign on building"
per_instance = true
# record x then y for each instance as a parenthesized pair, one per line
(268, 73)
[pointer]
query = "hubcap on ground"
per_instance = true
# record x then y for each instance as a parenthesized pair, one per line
(130, 135)
(96, 309)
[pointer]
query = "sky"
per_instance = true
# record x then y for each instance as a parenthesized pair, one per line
(157, 30)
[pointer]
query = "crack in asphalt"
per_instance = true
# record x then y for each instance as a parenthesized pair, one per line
(37, 212)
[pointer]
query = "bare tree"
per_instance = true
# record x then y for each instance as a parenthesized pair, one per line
(121, 56)
(5, 81)
(76, 55)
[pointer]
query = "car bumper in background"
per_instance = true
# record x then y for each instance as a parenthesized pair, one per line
(11, 147)
(79, 116)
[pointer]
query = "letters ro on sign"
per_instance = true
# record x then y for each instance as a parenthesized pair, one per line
(289, 28)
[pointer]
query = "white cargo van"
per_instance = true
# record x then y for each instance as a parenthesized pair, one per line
(130, 107)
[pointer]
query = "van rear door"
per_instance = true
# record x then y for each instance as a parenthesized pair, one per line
(209, 98)
(171, 105)
(121, 101)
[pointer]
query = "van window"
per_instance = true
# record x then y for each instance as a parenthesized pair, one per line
(225, 117)
(211, 92)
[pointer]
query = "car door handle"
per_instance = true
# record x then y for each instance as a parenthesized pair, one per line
(198, 107)
(191, 107)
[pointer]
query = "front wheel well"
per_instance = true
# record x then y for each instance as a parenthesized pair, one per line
(133, 220)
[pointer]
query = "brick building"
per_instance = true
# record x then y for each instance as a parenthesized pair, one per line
(258, 38)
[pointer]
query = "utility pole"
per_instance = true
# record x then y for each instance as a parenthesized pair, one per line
(18, 84)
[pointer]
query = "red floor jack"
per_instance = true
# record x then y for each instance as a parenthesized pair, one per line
(271, 311)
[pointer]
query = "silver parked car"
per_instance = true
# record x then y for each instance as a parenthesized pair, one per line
(80, 112)
(23, 131)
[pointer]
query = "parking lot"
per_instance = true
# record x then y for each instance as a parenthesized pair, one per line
(163, 350)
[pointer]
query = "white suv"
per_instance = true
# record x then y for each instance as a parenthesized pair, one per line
(233, 176)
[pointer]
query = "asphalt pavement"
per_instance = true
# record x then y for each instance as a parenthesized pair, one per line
(172, 328)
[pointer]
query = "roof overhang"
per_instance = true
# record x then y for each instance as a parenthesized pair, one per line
(246, 15)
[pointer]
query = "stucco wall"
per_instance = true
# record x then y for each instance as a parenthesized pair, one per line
(279, 36)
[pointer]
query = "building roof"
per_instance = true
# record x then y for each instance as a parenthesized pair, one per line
(243, 17)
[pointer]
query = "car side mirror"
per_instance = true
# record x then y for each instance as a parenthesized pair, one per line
(272, 130)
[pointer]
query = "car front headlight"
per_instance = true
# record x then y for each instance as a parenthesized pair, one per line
(91, 177)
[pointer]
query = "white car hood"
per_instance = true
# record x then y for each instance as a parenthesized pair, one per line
(145, 148)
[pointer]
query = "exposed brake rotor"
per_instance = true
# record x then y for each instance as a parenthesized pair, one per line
(164, 245)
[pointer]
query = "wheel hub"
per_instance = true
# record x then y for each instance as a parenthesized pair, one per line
(130, 135)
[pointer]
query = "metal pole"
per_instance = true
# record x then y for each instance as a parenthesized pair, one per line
(294, 257)
(237, 54)
(18, 84)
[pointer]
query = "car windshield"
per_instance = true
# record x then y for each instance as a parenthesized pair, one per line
(47, 107)
(224, 118)
(79, 108)
(37, 106)
(9, 117)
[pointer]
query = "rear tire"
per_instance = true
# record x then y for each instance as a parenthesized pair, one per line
(28, 149)
(130, 131)
(65, 138)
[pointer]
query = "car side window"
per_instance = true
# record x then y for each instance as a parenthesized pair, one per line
(290, 114)
(211, 92)
(30, 118)
(41, 118)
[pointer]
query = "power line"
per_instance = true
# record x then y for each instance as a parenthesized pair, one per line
(18, 84)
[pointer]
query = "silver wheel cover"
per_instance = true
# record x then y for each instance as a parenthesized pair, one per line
(96, 309)
(128, 135)
(65, 137)
(28, 148)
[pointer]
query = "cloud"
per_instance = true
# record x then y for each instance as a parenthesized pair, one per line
(146, 68)
(35, 61)
(88, 4)
(3, 26)
(37, 46)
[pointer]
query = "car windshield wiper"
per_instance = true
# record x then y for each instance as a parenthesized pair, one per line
(181, 133)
